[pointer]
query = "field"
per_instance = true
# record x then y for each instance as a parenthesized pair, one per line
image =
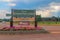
(49, 23)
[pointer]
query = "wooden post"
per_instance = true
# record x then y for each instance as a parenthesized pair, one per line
(35, 22)
(11, 21)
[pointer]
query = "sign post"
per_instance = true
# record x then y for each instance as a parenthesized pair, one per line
(11, 21)
(35, 21)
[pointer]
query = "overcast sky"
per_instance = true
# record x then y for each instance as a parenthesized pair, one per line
(45, 8)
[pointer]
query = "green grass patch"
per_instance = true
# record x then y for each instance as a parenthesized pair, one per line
(48, 23)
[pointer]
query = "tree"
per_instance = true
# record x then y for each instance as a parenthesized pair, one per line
(0, 20)
(38, 18)
(7, 20)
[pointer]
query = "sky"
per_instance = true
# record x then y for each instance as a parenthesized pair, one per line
(45, 8)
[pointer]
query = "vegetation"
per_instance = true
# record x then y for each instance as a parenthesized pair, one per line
(38, 18)
(0, 20)
(22, 30)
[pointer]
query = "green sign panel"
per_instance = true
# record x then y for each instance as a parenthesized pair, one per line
(24, 13)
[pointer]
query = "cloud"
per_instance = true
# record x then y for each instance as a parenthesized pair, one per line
(55, 6)
(12, 4)
(7, 0)
(51, 10)
(3, 14)
(43, 13)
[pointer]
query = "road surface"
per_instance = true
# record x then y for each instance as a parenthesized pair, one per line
(52, 29)
(31, 37)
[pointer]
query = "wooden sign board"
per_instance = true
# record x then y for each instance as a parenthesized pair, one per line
(23, 16)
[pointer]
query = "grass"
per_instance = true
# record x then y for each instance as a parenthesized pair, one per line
(48, 23)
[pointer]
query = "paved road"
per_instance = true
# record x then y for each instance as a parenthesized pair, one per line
(31, 37)
(52, 29)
